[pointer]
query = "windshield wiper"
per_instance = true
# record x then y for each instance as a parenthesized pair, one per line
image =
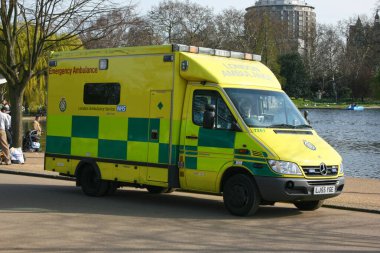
(303, 126)
(281, 126)
(290, 126)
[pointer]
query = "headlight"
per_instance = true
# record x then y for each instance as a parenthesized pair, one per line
(341, 168)
(286, 168)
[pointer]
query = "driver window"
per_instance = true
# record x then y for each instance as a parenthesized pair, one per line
(223, 116)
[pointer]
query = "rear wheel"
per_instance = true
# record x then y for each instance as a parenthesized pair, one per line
(309, 205)
(241, 196)
(158, 190)
(92, 184)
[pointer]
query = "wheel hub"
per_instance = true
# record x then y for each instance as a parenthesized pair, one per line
(239, 196)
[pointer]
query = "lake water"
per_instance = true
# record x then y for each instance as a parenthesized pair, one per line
(354, 134)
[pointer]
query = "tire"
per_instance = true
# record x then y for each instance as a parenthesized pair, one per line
(241, 196)
(158, 190)
(112, 188)
(169, 190)
(309, 205)
(92, 185)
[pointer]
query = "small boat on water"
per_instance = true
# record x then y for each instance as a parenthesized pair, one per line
(355, 107)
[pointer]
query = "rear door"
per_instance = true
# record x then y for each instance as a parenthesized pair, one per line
(159, 135)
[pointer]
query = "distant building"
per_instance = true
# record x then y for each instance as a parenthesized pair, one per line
(364, 41)
(297, 17)
(376, 40)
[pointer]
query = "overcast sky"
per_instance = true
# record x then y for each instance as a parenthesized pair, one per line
(328, 11)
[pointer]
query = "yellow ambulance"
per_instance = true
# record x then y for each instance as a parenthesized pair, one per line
(183, 117)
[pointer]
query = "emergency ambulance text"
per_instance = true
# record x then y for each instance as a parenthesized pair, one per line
(71, 71)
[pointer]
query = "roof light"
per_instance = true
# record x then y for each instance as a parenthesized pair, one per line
(194, 49)
(216, 52)
(237, 55)
(256, 57)
(248, 56)
(205, 50)
(223, 53)
(181, 48)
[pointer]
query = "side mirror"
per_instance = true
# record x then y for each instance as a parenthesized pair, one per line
(306, 115)
(209, 117)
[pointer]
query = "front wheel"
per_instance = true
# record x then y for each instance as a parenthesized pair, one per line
(92, 184)
(241, 196)
(309, 205)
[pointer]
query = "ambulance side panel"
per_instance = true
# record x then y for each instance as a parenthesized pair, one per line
(130, 138)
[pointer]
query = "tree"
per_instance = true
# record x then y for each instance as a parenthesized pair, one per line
(29, 31)
(258, 23)
(325, 61)
(141, 34)
(376, 86)
(361, 57)
(264, 36)
(182, 22)
(230, 30)
(112, 28)
(165, 20)
(197, 24)
(296, 80)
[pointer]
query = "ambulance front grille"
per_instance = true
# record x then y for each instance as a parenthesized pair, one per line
(323, 182)
(315, 171)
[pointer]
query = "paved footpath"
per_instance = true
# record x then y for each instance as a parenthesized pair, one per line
(359, 194)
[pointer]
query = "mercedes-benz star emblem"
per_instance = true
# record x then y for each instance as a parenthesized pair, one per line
(323, 169)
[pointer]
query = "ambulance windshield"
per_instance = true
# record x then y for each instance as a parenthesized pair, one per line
(266, 109)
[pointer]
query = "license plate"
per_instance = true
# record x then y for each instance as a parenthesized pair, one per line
(324, 189)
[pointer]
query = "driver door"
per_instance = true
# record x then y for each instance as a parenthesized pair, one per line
(207, 151)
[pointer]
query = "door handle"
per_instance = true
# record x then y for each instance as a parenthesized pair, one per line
(154, 134)
(192, 137)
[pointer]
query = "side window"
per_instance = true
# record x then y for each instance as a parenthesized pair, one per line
(223, 116)
(101, 93)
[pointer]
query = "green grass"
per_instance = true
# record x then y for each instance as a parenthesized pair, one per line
(304, 103)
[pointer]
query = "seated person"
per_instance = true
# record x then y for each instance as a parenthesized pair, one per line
(247, 113)
(37, 126)
(245, 110)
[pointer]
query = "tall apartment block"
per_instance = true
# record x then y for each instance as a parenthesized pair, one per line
(297, 17)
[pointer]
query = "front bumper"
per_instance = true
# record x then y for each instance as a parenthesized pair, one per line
(295, 189)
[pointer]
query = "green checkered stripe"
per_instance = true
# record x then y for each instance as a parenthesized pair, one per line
(224, 141)
(106, 137)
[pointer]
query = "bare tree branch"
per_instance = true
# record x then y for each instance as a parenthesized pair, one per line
(30, 29)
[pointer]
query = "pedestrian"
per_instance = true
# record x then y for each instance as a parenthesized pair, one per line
(8, 130)
(4, 124)
(6, 105)
(37, 126)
